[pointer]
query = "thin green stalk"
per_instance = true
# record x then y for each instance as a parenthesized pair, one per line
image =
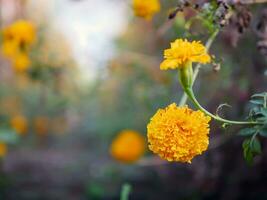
(125, 191)
(196, 70)
(191, 95)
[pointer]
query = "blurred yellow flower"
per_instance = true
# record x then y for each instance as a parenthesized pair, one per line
(3, 149)
(41, 125)
(183, 52)
(9, 49)
(128, 146)
(146, 8)
(23, 32)
(17, 39)
(20, 124)
(21, 62)
(178, 133)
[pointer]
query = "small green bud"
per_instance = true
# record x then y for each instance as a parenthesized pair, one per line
(186, 75)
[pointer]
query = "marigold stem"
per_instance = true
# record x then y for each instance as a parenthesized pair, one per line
(191, 96)
(196, 70)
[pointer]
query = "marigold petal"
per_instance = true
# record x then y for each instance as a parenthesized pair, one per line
(169, 64)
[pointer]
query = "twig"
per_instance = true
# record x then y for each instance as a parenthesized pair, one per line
(252, 1)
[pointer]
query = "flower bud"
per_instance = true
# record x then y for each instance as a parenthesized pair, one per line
(186, 75)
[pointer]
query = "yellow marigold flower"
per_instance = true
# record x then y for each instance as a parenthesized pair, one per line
(21, 62)
(9, 49)
(21, 31)
(182, 52)
(178, 133)
(20, 124)
(146, 8)
(41, 125)
(3, 149)
(17, 38)
(128, 146)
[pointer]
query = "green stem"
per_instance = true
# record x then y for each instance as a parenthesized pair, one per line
(125, 191)
(191, 95)
(196, 70)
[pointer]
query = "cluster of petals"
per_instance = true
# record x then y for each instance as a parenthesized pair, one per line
(178, 133)
(182, 52)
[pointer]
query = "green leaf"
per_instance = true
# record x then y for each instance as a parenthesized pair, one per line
(262, 119)
(95, 191)
(247, 152)
(264, 111)
(264, 94)
(255, 146)
(248, 156)
(257, 101)
(251, 147)
(8, 136)
(247, 131)
(263, 132)
(246, 143)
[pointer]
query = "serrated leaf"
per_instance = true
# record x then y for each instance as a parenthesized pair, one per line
(247, 151)
(264, 94)
(246, 143)
(257, 101)
(261, 119)
(263, 111)
(263, 130)
(255, 146)
(247, 131)
(254, 111)
(251, 147)
(248, 156)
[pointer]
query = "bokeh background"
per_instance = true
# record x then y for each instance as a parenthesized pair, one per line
(95, 72)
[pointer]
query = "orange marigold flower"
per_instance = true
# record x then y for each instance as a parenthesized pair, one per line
(146, 8)
(182, 52)
(178, 133)
(3, 149)
(20, 124)
(128, 146)
(41, 125)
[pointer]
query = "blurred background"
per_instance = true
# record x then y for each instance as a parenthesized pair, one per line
(86, 71)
